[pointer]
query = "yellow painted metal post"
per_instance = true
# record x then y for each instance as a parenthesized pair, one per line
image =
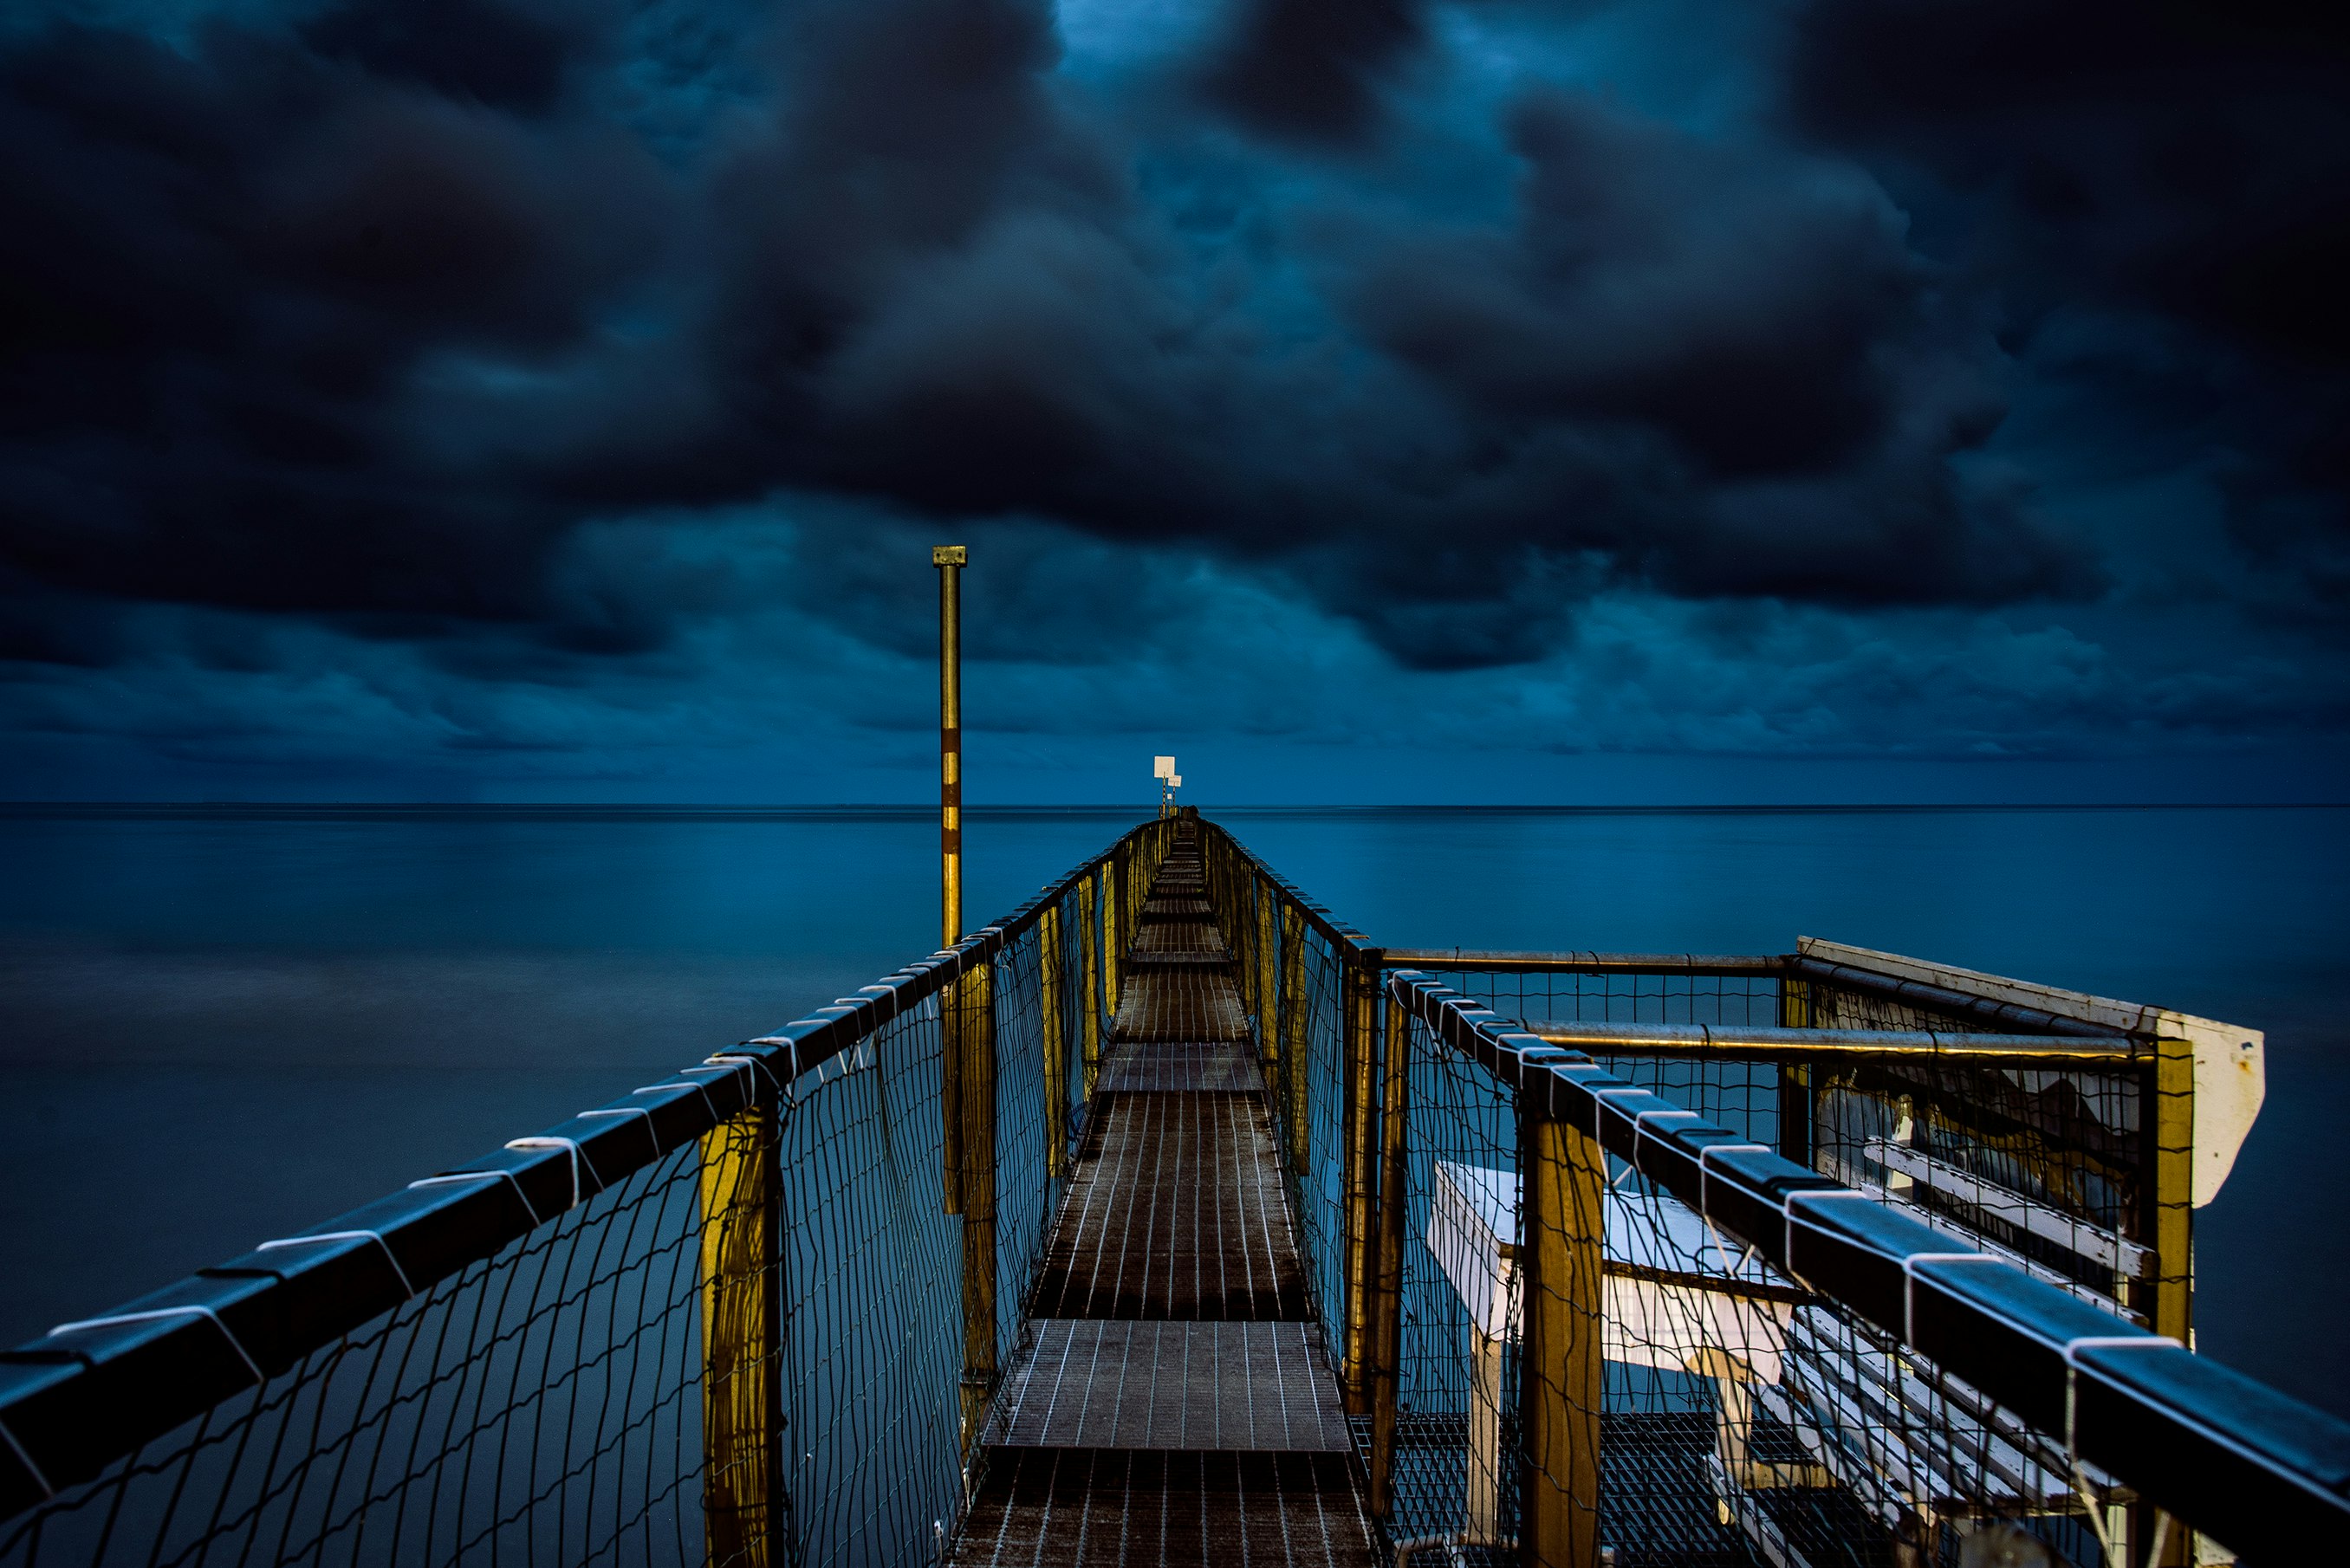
(1293, 1027)
(741, 1340)
(2170, 1303)
(1049, 971)
(2172, 1308)
(950, 560)
(1387, 1294)
(1563, 1172)
(1359, 1177)
(1268, 993)
(1111, 952)
(1089, 963)
(1238, 904)
(977, 991)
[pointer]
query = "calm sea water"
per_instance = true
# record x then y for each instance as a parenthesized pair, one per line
(221, 1026)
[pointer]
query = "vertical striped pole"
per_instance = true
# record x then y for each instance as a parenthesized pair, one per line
(967, 1043)
(950, 560)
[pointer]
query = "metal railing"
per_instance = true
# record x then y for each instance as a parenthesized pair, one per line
(1793, 1258)
(752, 1313)
(1787, 1259)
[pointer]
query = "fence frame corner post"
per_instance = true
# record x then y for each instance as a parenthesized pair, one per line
(2169, 1132)
(1563, 1176)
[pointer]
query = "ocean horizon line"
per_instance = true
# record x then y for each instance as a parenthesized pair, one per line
(916, 811)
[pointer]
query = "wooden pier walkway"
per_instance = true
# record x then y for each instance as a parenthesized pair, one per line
(1175, 1404)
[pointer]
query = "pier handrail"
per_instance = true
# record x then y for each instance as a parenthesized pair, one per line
(77, 1403)
(2262, 1471)
(1335, 1067)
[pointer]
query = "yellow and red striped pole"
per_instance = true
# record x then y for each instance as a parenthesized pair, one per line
(950, 559)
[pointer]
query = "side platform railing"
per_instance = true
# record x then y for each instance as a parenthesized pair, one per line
(749, 1314)
(1823, 1257)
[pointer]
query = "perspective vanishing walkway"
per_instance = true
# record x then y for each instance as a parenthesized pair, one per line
(1174, 1404)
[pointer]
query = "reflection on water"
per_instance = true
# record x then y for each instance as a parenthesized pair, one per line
(217, 1026)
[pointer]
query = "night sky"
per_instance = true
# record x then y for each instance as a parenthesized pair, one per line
(1363, 400)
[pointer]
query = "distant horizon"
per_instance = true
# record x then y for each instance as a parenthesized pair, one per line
(917, 811)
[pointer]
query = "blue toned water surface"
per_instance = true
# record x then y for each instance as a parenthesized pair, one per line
(216, 1026)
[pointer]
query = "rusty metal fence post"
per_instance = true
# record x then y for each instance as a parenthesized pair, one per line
(741, 1340)
(1562, 1174)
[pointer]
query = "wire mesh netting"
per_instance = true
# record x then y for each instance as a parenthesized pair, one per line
(1309, 1075)
(757, 1349)
(1738, 1418)
(2045, 1161)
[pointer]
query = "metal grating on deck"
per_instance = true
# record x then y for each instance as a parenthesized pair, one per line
(1178, 1004)
(1096, 1508)
(1175, 1210)
(1189, 942)
(1174, 1402)
(1174, 1066)
(1183, 908)
(1119, 1384)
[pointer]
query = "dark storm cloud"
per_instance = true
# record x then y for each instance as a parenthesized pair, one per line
(2190, 162)
(367, 317)
(508, 56)
(219, 273)
(1778, 383)
(1311, 70)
